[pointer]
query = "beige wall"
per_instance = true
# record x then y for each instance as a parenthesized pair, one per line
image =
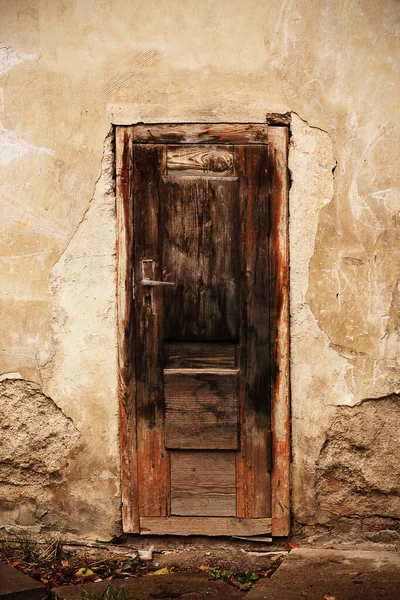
(68, 70)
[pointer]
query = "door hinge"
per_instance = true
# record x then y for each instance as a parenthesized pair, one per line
(269, 451)
(133, 283)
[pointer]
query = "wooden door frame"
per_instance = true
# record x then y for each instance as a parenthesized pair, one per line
(277, 138)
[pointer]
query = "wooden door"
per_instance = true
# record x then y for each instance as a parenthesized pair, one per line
(201, 296)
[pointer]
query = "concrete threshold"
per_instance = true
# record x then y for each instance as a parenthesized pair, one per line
(308, 574)
(15, 585)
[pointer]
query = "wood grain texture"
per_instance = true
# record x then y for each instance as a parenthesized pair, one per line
(201, 409)
(213, 526)
(153, 467)
(201, 253)
(279, 119)
(279, 323)
(203, 484)
(201, 133)
(200, 160)
(125, 329)
(201, 355)
(252, 464)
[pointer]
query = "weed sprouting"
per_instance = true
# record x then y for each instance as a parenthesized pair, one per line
(223, 575)
(109, 593)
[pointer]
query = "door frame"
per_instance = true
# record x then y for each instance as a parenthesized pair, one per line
(277, 137)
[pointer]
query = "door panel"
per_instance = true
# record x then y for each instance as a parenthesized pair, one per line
(215, 249)
(203, 355)
(203, 483)
(200, 222)
(204, 298)
(221, 526)
(201, 409)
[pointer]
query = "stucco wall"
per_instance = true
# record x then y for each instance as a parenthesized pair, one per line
(68, 70)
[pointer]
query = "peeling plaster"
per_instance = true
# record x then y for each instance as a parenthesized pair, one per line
(81, 366)
(12, 375)
(353, 377)
(12, 146)
(358, 472)
(353, 295)
(9, 58)
(36, 435)
(83, 286)
(315, 390)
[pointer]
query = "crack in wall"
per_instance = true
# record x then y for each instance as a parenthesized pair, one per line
(81, 371)
(109, 141)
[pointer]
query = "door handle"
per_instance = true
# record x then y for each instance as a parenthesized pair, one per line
(151, 283)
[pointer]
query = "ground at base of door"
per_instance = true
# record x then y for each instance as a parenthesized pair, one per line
(305, 574)
(186, 586)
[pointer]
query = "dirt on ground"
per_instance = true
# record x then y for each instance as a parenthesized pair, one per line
(55, 564)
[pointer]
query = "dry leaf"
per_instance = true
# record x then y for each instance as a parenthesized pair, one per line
(163, 571)
(205, 568)
(84, 573)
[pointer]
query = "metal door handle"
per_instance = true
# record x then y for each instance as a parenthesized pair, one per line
(151, 283)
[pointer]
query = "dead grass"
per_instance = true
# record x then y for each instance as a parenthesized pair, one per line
(46, 561)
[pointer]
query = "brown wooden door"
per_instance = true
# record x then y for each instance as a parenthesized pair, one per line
(201, 330)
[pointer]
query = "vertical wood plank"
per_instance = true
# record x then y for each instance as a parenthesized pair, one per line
(253, 479)
(153, 467)
(201, 255)
(125, 327)
(279, 324)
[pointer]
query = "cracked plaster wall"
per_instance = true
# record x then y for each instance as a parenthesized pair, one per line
(67, 71)
(35, 450)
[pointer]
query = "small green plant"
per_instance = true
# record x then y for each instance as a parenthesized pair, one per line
(217, 573)
(247, 580)
(109, 593)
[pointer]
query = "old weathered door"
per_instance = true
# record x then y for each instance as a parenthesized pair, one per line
(201, 327)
